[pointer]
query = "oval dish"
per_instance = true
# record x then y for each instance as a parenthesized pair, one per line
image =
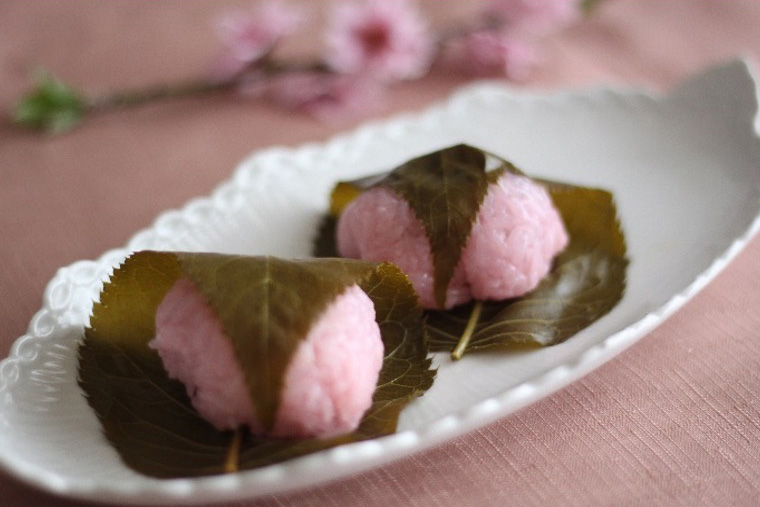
(685, 170)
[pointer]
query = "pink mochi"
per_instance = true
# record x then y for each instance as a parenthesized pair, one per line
(328, 385)
(513, 241)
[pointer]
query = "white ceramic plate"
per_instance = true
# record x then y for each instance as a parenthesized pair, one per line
(685, 169)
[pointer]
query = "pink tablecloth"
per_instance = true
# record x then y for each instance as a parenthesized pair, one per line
(674, 420)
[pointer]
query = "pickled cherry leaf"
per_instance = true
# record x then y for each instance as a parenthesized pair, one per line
(149, 418)
(587, 279)
(445, 189)
(266, 306)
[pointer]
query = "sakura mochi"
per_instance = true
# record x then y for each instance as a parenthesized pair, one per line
(203, 363)
(327, 386)
(510, 246)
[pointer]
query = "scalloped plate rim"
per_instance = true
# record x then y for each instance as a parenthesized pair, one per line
(352, 458)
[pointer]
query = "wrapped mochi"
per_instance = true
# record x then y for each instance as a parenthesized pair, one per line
(463, 225)
(499, 260)
(207, 363)
(327, 385)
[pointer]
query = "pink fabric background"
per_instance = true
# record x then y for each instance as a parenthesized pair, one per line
(675, 420)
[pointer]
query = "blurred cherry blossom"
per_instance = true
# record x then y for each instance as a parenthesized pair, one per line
(332, 98)
(387, 40)
(250, 35)
(536, 17)
(492, 53)
(369, 46)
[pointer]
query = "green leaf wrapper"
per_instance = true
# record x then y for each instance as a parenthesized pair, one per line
(588, 278)
(264, 304)
(445, 189)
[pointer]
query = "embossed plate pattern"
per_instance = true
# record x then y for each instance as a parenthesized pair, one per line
(685, 168)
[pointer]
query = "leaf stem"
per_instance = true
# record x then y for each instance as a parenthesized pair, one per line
(232, 460)
(469, 330)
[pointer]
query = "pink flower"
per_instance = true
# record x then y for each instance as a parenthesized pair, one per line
(385, 39)
(492, 53)
(329, 97)
(248, 36)
(537, 17)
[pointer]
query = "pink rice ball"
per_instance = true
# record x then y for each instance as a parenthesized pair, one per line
(328, 385)
(513, 241)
